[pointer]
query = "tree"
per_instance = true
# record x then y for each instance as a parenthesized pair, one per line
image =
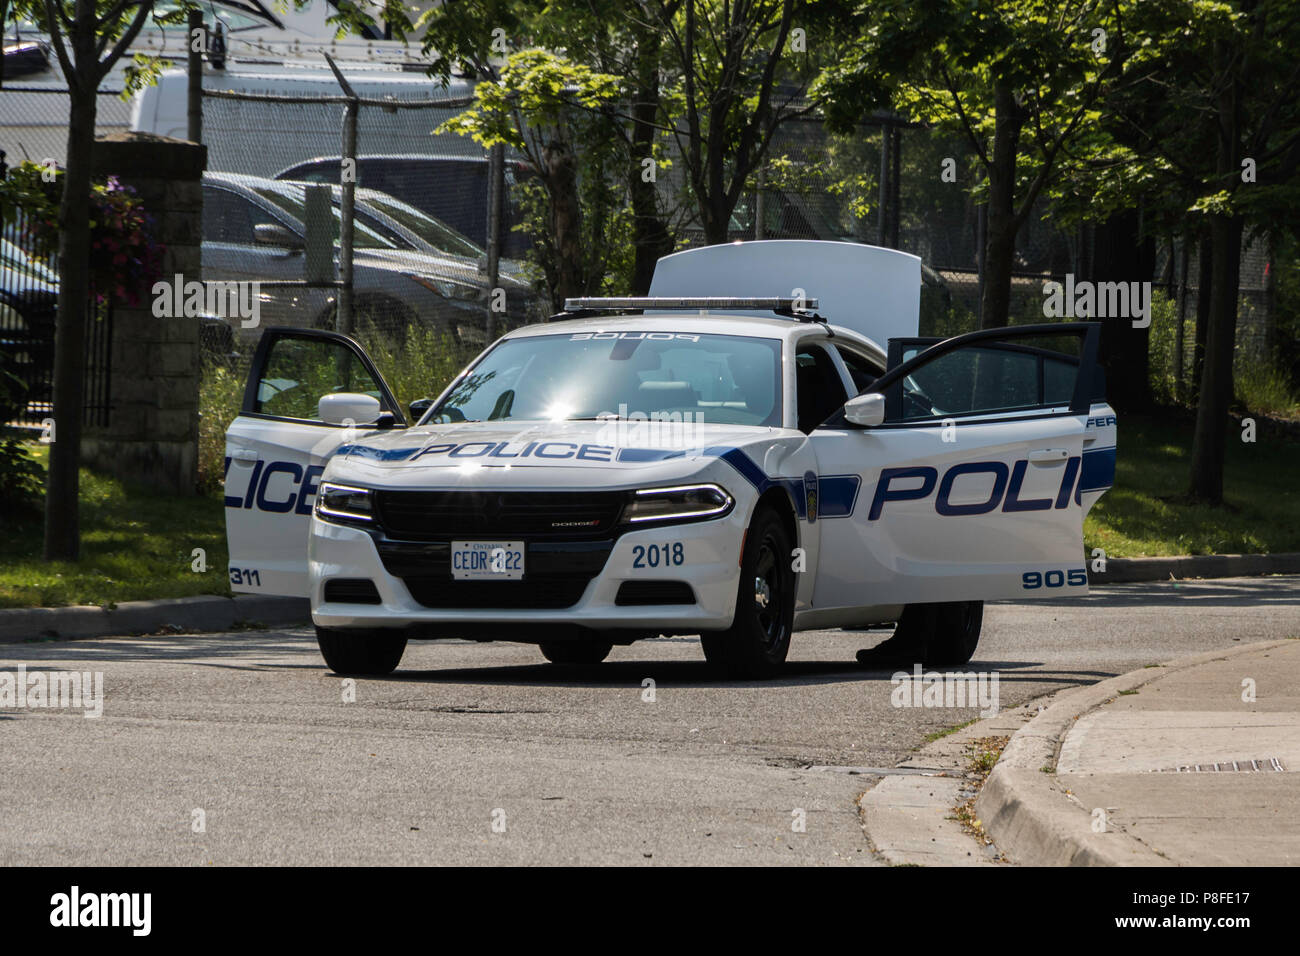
(559, 99)
(1019, 81)
(89, 37)
(730, 60)
(1210, 104)
(612, 37)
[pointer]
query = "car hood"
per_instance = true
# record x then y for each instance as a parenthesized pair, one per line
(559, 455)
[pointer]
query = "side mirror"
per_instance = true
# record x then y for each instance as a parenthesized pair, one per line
(419, 407)
(340, 408)
(274, 234)
(866, 410)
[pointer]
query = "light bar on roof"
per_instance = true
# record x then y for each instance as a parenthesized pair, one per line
(707, 303)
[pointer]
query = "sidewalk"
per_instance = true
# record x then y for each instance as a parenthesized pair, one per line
(1166, 765)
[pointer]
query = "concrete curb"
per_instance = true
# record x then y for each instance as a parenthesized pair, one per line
(203, 613)
(1031, 817)
(1128, 570)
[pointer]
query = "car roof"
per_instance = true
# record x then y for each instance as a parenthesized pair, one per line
(787, 330)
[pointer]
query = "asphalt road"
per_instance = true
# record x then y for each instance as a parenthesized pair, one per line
(484, 754)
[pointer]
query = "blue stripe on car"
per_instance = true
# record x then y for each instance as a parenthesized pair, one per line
(1098, 469)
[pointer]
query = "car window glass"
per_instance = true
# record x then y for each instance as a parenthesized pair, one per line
(436, 234)
(298, 371)
(991, 377)
(228, 217)
(864, 371)
(292, 200)
(819, 389)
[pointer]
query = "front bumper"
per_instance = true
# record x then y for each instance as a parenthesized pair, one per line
(410, 576)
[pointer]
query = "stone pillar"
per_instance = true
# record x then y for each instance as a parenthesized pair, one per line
(153, 429)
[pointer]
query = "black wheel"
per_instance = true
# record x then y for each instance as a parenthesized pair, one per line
(945, 633)
(576, 653)
(759, 637)
(370, 653)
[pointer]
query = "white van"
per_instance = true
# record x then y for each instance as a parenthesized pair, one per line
(261, 138)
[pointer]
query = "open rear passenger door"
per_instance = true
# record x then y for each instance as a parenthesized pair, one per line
(965, 460)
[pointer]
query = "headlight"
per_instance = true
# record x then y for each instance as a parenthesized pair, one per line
(343, 503)
(683, 503)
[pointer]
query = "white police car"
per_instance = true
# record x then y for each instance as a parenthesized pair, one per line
(734, 467)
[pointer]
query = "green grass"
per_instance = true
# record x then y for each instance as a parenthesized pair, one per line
(1144, 514)
(135, 545)
(940, 734)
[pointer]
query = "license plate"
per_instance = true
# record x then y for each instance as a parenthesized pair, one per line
(487, 560)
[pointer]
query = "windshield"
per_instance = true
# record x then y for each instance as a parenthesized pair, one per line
(435, 233)
(292, 200)
(663, 376)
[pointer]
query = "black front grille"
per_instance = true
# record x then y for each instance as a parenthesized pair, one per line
(654, 592)
(351, 591)
(424, 515)
(539, 594)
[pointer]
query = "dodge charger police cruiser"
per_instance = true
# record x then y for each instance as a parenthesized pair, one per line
(762, 445)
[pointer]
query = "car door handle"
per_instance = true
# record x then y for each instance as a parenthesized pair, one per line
(1049, 456)
(244, 456)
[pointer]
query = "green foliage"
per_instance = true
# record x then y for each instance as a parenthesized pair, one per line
(419, 366)
(550, 108)
(221, 388)
(21, 478)
(1162, 348)
(125, 256)
(1263, 388)
(548, 88)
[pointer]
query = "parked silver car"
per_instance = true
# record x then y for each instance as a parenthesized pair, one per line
(253, 230)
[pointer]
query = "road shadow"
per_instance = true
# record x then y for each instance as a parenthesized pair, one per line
(1253, 592)
(677, 673)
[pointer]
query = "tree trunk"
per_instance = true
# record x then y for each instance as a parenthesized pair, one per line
(650, 239)
(1122, 255)
(1204, 290)
(566, 220)
(62, 529)
(1209, 442)
(1000, 234)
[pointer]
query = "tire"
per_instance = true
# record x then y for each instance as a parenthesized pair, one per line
(944, 633)
(956, 632)
(758, 640)
(365, 653)
(583, 652)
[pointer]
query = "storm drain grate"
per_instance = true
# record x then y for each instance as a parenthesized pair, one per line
(1262, 765)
